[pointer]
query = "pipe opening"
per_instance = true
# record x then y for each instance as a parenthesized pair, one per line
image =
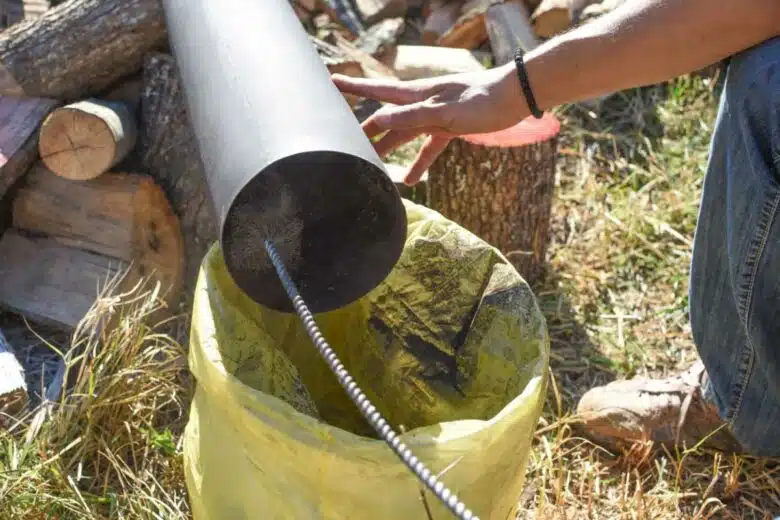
(336, 220)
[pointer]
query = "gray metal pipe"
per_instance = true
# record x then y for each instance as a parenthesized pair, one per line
(285, 158)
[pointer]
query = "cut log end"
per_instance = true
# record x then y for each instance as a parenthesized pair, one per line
(157, 241)
(124, 216)
(84, 140)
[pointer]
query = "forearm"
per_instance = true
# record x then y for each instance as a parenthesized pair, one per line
(644, 42)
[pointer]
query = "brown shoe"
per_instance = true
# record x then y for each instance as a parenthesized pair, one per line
(667, 411)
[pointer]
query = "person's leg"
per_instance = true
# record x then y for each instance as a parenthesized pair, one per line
(734, 288)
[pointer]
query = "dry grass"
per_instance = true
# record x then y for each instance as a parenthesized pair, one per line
(616, 303)
(110, 447)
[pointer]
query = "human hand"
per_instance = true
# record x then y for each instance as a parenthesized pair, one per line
(442, 108)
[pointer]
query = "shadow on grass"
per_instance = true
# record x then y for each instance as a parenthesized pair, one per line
(576, 362)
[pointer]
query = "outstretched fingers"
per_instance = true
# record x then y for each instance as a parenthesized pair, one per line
(381, 89)
(413, 117)
(431, 149)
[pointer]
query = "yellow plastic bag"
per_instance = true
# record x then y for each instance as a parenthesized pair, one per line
(452, 346)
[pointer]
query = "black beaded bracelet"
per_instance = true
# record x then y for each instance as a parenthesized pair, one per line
(524, 83)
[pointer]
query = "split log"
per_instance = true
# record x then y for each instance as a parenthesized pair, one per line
(79, 48)
(335, 59)
(119, 215)
(553, 17)
(373, 11)
(85, 139)
(501, 192)
(169, 152)
(49, 282)
(469, 31)
(20, 119)
(13, 387)
(349, 52)
(509, 27)
(380, 39)
(425, 61)
(443, 16)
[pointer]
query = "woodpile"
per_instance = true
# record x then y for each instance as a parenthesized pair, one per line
(100, 174)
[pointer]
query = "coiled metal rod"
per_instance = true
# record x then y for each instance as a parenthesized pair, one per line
(368, 410)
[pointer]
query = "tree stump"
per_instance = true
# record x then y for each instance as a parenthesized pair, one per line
(500, 187)
(83, 140)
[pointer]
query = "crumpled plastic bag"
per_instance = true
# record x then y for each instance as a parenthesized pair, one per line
(451, 347)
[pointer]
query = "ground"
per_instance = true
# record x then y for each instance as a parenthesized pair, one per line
(615, 298)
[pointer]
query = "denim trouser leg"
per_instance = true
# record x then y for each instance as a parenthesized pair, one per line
(735, 276)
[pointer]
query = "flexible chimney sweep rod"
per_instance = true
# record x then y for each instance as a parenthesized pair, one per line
(368, 410)
(303, 201)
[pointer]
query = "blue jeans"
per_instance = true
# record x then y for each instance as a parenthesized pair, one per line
(735, 273)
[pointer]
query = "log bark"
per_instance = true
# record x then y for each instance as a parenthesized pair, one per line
(20, 119)
(374, 11)
(78, 48)
(509, 27)
(49, 282)
(118, 215)
(425, 61)
(13, 387)
(169, 153)
(83, 140)
(501, 194)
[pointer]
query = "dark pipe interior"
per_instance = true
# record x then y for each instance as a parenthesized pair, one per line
(335, 219)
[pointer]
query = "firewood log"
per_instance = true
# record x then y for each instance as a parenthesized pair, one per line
(13, 387)
(19, 139)
(49, 282)
(119, 215)
(509, 27)
(85, 139)
(373, 11)
(553, 17)
(371, 67)
(501, 192)
(169, 153)
(78, 48)
(425, 61)
(469, 31)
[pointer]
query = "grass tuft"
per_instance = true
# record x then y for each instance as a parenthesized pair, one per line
(109, 446)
